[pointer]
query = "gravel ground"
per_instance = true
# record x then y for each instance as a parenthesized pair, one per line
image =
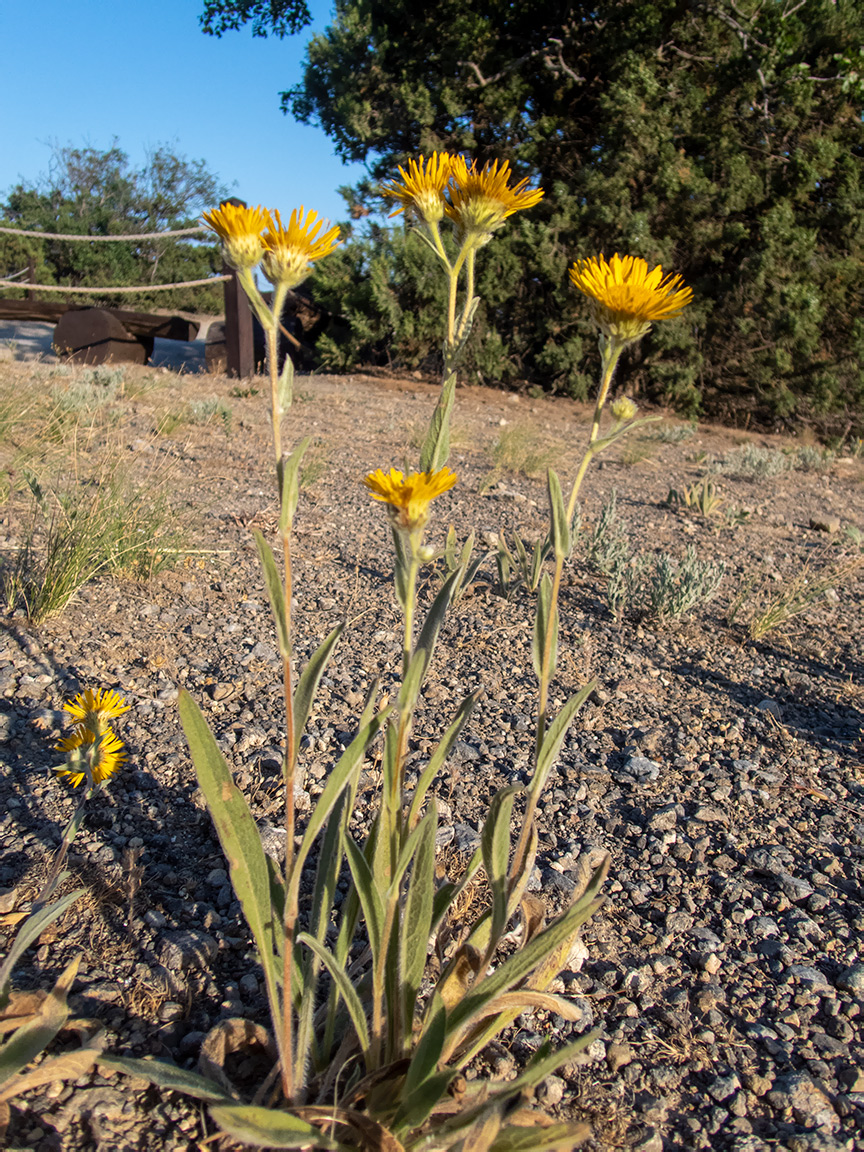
(724, 776)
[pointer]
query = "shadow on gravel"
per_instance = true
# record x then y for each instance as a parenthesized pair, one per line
(806, 706)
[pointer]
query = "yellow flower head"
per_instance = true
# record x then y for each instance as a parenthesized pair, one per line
(92, 707)
(409, 496)
(423, 187)
(239, 228)
(625, 297)
(482, 199)
(88, 754)
(288, 252)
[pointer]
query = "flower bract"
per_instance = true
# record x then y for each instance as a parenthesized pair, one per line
(423, 186)
(409, 496)
(103, 754)
(625, 297)
(288, 252)
(481, 199)
(239, 228)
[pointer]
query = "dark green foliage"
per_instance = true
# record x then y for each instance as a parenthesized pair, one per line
(721, 139)
(281, 17)
(90, 192)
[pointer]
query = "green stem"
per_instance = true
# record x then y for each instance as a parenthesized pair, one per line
(272, 330)
(437, 243)
(379, 982)
(454, 335)
(611, 354)
(259, 307)
(410, 605)
(69, 835)
(289, 922)
(396, 798)
(450, 345)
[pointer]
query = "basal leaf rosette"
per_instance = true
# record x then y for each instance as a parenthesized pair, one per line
(626, 298)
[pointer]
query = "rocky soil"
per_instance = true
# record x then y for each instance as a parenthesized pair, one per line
(724, 776)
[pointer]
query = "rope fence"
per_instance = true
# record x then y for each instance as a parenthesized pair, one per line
(239, 338)
(5, 283)
(103, 239)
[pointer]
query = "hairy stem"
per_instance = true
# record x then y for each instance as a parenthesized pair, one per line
(611, 353)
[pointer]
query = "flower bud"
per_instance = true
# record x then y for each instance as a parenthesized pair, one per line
(624, 409)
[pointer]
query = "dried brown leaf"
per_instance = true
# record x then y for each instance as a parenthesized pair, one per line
(226, 1037)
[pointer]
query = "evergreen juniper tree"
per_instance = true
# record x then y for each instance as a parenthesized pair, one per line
(722, 138)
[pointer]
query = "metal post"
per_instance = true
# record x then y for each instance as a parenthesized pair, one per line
(31, 276)
(239, 349)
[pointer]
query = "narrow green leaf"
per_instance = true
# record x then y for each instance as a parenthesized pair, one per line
(346, 989)
(495, 845)
(411, 681)
(167, 1076)
(30, 930)
(291, 481)
(469, 571)
(417, 917)
(436, 447)
(554, 737)
(425, 644)
(467, 549)
(517, 967)
(330, 855)
(560, 526)
(237, 831)
(519, 882)
(285, 389)
(439, 756)
(367, 890)
(427, 1053)
(417, 1105)
(267, 1128)
(340, 776)
(277, 893)
(504, 566)
(321, 903)
(546, 1063)
(310, 678)
(275, 591)
(541, 550)
(545, 618)
(561, 1137)
(450, 549)
(521, 552)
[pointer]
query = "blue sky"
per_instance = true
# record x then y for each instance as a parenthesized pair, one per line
(84, 72)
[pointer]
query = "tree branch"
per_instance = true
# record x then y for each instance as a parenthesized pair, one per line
(553, 59)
